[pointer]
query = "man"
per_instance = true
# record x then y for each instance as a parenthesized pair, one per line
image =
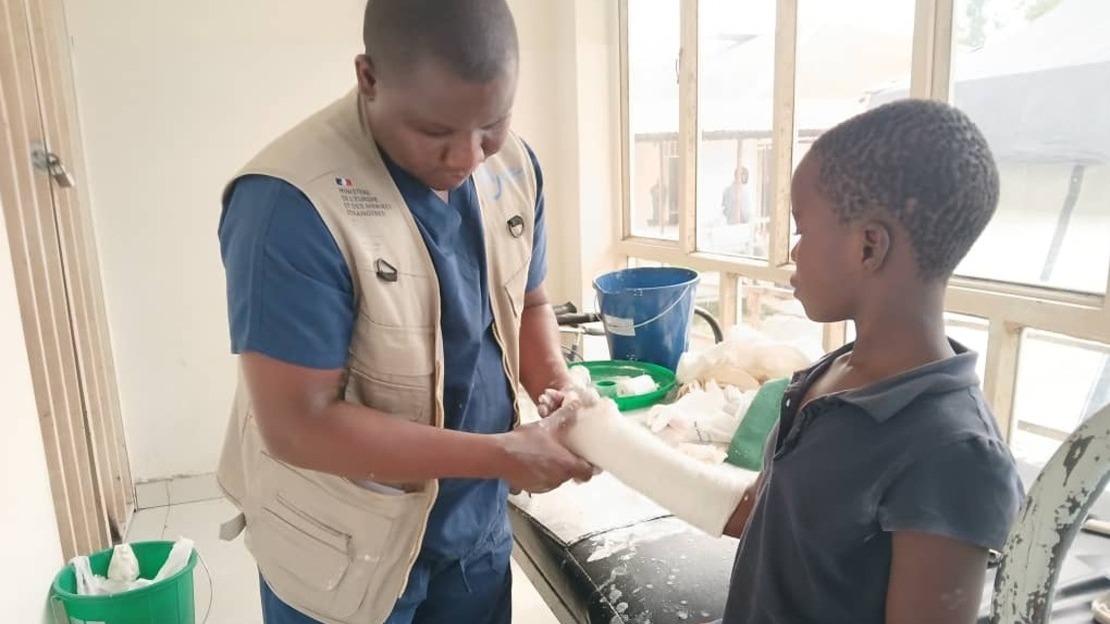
(736, 201)
(385, 263)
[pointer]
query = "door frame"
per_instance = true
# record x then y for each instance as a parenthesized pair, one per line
(58, 282)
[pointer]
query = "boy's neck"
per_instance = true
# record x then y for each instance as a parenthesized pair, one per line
(903, 333)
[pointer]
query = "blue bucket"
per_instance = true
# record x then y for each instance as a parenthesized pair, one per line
(647, 313)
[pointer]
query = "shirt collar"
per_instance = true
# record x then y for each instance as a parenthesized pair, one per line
(883, 399)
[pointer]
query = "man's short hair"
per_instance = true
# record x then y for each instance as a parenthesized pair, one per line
(474, 39)
(921, 161)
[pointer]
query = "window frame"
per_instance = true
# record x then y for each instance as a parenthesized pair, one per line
(1008, 308)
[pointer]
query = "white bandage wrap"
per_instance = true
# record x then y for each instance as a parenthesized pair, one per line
(701, 494)
(636, 385)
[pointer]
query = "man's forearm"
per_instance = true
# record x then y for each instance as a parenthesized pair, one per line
(541, 355)
(359, 443)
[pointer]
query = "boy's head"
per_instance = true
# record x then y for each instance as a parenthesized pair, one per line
(438, 78)
(895, 195)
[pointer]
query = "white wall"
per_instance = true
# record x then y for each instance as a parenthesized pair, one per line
(174, 96)
(567, 108)
(32, 550)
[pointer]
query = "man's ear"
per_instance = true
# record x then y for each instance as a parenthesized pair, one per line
(874, 245)
(367, 76)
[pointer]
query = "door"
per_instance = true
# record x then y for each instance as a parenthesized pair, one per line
(46, 218)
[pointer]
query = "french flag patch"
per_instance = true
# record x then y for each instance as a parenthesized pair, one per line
(343, 182)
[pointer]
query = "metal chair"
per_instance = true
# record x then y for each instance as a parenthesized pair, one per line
(1054, 511)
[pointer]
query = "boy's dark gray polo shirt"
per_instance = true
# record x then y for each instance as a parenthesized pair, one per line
(916, 452)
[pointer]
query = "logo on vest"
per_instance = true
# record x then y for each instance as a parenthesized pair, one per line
(493, 177)
(359, 202)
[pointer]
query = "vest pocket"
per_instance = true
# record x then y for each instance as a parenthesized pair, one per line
(321, 566)
(394, 353)
(415, 401)
(392, 370)
(405, 304)
(326, 545)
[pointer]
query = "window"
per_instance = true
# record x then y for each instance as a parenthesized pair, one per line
(724, 98)
(1033, 76)
(736, 50)
(653, 118)
(772, 310)
(1061, 381)
(971, 332)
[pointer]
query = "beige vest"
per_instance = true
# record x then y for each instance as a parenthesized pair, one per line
(338, 551)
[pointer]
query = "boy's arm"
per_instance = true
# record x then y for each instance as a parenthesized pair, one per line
(934, 580)
(943, 512)
(739, 519)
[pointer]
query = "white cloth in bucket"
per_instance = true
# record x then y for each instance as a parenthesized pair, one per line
(123, 570)
(124, 566)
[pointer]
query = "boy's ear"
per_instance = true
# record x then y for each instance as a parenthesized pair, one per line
(875, 238)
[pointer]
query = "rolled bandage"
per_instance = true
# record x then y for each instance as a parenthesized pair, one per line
(580, 375)
(633, 386)
(701, 494)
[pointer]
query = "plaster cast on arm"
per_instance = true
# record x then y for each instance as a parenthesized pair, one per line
(701, 494)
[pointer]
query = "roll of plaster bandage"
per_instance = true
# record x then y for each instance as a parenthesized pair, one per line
(703, 495)
(580, 375)
(633, 386)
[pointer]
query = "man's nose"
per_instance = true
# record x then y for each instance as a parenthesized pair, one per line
(465, 153)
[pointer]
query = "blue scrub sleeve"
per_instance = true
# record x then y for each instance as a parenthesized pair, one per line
(289, 291)
(537, 268)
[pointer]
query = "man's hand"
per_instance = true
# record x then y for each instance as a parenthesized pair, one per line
(539, 462)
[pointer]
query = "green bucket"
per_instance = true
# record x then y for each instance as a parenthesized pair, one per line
(169, 601)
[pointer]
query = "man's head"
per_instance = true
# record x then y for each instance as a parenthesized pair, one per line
(898, 193)
(438, 78)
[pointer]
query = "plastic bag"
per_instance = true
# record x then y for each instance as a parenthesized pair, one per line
(745, 360)
(706, 414)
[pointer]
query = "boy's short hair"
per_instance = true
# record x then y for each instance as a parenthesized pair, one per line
(475, 39)
(921, 161)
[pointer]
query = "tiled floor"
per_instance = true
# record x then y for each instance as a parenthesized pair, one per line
(194, 508)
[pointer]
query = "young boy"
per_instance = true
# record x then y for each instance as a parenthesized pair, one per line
(886, 480)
